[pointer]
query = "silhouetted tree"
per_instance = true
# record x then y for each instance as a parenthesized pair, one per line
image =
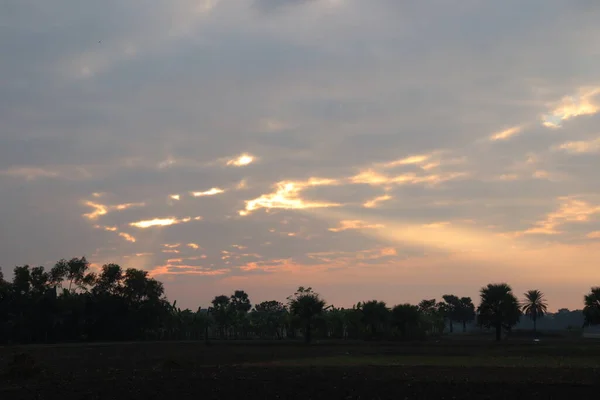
(591, 310)
(465, 312)
(405, 317)
(374, 315)
(451, 309)
(499, 308)
(306, 304)
(534, 306)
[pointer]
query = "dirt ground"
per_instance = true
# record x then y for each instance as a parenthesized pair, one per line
(444, 370)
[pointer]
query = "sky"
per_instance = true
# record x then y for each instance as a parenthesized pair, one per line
(382, 149)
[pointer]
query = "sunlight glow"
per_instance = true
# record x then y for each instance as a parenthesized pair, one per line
(241, 161)
(210, 192)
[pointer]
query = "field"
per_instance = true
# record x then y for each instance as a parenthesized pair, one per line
(446, 369)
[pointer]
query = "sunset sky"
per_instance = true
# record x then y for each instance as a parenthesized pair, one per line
(387, 149)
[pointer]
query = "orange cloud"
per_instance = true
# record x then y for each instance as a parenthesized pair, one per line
(193, 246)
(594, 235)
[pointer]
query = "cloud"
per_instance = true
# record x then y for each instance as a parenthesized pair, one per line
(571, 210)
(506, 134)
(355, 224)
(162, 222)
(241, 160)
(210, 192)
(583, 103)
(581, 146)
(127, 237)
(287, 196)
(376, 201)
(102, 209)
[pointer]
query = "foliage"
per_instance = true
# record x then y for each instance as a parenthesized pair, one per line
(591, 310)
(306, 304)
(70, 303)
(375, 315)
(499, 308)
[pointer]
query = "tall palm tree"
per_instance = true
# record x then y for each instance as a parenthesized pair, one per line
(499, 308)
(534, 306)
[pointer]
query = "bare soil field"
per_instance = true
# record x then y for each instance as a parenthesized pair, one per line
(446, 369)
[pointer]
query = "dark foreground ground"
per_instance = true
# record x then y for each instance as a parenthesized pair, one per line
(447, 369)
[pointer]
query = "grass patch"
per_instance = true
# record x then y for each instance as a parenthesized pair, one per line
(444, 361)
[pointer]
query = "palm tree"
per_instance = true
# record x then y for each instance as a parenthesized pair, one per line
(534, 306)
(499, 308)
(306, 304)
(591, 311)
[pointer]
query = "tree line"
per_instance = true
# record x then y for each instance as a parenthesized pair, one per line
(70, 303)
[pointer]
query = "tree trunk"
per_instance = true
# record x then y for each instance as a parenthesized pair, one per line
(498, 332)
(307, 332)
(451, 326)
(464, 326)
(534, 326)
